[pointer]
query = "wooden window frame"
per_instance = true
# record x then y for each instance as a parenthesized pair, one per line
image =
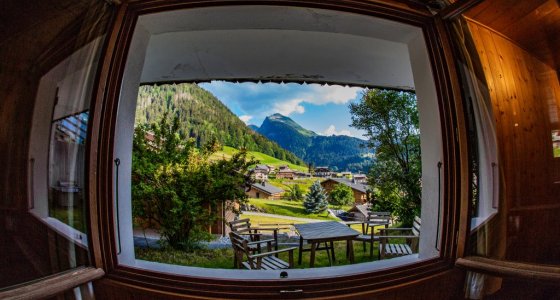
(103, 117)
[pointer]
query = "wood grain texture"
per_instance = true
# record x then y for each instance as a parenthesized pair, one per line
(53, 285)
(525, 100)
(510, 269)
(532, 24)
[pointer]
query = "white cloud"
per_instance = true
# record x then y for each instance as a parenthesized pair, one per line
(245, 118)
(330, 94)
(331, 130)
(289, 106)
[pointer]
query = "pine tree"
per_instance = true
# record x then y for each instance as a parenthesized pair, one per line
(316, 199)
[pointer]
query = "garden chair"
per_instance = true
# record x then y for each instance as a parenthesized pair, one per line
(253, 234)
(373, 219)
(407, 240)
(242, 248)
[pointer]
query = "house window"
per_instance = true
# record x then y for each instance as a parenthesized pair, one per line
(182, 46)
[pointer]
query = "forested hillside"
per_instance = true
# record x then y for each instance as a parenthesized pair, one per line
(203, 117)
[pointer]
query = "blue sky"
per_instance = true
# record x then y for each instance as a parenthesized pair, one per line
(323, 109)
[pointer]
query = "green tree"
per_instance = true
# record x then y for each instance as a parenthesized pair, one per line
(341, 195)
(390, 120)
(295, 193)
(316, 199)
(177, 188)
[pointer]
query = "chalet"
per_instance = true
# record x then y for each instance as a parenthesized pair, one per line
(323, 172)
(346, 175)
(285, 173)
(264, 190)
(360, 190)
(360, 178)
(299, 174)
(260, 172)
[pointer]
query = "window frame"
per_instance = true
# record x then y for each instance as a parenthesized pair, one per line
(100, 171)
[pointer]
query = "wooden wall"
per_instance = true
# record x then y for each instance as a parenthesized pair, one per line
(533, 24)
(446, 285)
(525, 95)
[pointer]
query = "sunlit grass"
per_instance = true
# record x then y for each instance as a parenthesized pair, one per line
(288, 208)
(227, 152)
(223, 258)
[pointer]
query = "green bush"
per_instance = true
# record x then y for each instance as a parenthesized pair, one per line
(176, 188)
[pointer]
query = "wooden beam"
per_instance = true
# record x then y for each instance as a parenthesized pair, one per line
(457, 8)
(53, 285)
(509, 268)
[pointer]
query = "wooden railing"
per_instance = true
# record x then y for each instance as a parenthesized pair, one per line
(53, 285)
(509, 269)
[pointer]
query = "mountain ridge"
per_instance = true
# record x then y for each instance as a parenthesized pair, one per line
(203, 117)
(340, 152)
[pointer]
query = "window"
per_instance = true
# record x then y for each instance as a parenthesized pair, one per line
(183, 46)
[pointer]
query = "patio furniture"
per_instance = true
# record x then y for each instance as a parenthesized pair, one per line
(368, 236)
(242, 248)
(411, 237)
(328, 233)
(252, 234)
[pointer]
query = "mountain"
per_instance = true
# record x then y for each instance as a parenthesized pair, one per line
(342, 152)
(203, 117)
(255, 128)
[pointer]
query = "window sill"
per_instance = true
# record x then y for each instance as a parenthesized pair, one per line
(325, 272)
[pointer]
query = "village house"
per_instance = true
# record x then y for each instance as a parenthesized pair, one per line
(323, 172)
(285, 173)
(360, 178)
(360, 190)
(264, 190)
(260, 172)
(299, 174)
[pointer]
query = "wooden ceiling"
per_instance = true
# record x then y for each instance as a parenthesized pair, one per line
(532, 24)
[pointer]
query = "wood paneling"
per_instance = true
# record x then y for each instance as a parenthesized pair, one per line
(446, 285)
(525, 96)
(532, 24)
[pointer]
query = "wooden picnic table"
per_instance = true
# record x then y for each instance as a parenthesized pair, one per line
(328, 233)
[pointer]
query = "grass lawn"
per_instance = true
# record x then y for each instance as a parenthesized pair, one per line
(223, 258)
(263, 220)
(286, 184)
(556, 152)
(227, 152)
(205, 258)
(288, 208)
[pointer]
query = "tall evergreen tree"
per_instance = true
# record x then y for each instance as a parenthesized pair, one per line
(316, 199)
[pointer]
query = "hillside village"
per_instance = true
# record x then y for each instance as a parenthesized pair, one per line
(263, 189)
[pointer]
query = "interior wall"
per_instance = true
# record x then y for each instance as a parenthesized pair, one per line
(525, 94)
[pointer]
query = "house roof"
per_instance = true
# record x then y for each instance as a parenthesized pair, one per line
(356, 186)
(267, 188)
(262, 167)
(362, 208)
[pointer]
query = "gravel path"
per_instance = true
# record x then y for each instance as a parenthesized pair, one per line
(152, 237)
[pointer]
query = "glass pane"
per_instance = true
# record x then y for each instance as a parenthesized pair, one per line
(46, 232)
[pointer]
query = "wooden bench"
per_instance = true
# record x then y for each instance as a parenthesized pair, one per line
(242, 249)
(410, 235)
